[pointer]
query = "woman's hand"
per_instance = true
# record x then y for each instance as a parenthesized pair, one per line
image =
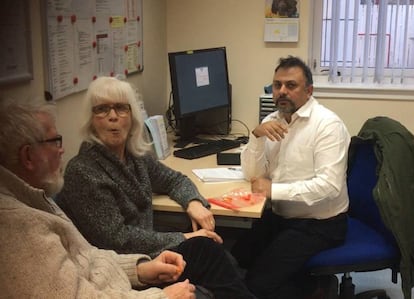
(200, 215)
(166, 267)
(204, 233)
(180, 290)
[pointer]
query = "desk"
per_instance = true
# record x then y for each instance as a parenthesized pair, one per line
(165, 204)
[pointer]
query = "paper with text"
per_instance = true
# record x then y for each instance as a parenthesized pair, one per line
(219, 174)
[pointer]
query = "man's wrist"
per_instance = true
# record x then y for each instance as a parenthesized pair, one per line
(141, 261)
(254, 134)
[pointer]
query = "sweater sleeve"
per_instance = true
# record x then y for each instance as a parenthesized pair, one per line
(41, 258)
(128, 263)
(107, 216)
(176, 185)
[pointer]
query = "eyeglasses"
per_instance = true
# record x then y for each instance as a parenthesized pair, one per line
(121, 109)
(58, 140)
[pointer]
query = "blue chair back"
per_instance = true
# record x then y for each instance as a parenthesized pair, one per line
(362, 179)
(369, 245)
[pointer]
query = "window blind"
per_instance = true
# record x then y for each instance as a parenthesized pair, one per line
(368, 41)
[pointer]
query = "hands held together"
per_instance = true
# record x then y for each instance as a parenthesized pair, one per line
(167, 267)
(203, 217)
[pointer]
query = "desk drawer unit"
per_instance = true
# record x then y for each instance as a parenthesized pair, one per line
(266, 106)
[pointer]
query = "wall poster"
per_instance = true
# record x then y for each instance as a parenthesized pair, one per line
(90, 38)
(281, 21)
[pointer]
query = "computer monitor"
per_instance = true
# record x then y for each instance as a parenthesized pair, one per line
(201, 92)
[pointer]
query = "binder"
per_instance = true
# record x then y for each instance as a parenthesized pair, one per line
(156, 128)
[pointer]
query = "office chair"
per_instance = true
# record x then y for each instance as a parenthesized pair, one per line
(369, 245)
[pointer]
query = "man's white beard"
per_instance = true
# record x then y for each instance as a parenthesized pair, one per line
(53, 183)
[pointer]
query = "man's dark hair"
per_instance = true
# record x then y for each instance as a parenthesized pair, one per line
(292, 61)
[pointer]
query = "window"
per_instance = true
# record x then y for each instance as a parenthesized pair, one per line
(362, 42)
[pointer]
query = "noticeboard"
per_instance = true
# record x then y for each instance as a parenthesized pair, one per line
(90, 38)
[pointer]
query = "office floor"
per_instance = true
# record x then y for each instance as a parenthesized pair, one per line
(378, 279)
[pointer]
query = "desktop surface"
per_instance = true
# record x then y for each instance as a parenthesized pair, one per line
(208, 190)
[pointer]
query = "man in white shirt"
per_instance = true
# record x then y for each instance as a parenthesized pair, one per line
(297, 156)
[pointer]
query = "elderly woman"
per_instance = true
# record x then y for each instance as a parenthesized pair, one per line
(109, 185)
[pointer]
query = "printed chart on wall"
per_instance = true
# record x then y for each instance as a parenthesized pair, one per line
(91, 38)
(281, 21)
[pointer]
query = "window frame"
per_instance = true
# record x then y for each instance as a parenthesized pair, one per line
(323, 88)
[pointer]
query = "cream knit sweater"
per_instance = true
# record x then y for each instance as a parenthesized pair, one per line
(43, 255)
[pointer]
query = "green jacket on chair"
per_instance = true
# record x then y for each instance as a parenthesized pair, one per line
(394, 192)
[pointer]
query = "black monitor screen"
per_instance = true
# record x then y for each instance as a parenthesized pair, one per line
(200, 83)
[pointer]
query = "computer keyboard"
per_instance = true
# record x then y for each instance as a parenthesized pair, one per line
(206, 149)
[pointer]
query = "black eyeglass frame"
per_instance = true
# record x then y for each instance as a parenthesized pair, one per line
(58, 140)
(124, 107)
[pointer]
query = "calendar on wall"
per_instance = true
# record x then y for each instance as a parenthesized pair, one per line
(281, 21)
(85, 39)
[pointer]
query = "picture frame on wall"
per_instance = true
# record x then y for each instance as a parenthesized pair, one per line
(16, 63)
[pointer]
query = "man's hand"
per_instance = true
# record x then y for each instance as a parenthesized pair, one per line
(200, 215)
(180, 290)
(274, 130)
(204, 233)
(166, 267)
(261, 185)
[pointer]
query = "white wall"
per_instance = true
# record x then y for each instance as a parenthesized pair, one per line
(174, 25)
(238, 25)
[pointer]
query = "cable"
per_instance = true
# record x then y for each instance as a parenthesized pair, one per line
(169, 114)
(247, 128)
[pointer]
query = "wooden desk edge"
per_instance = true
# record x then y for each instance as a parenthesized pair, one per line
(165, 204)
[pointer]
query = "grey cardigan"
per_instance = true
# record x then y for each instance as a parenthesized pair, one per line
(111, 202)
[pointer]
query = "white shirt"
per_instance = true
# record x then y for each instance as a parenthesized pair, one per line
(307, 167)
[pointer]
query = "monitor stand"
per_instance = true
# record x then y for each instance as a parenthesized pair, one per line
(187, 133)
(181, 143)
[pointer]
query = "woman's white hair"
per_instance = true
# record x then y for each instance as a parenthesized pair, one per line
(104, 88)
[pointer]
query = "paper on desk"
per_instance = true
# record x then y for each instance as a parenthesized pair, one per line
(220, 174)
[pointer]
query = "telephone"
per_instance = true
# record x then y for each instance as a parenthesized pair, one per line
(156, 128)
